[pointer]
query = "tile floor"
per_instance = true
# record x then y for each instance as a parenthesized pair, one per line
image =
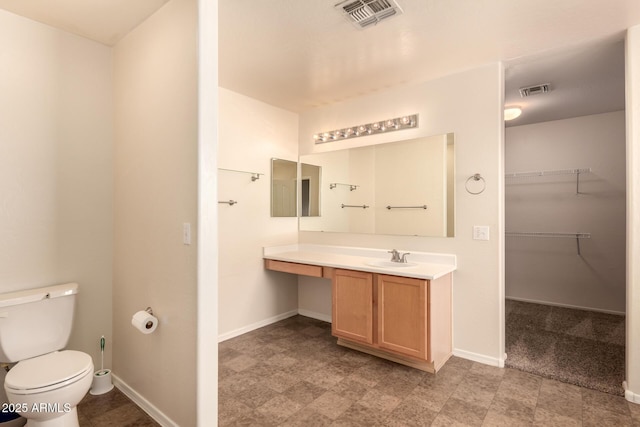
(112, 409)
(292, 373)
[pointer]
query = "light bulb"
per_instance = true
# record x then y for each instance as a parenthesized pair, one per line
(511, 113)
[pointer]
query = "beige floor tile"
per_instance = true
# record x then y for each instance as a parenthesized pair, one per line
(379, 401)
(303, 378)
(324, 379)
(598, 400)
(545, 418)
(240, 363)
(634, 409)
(350, 388)
(430, 398)
(464, 411)
(330, 405)
(411, 413)
(598, 417)
(279, 409)
(477, 389)
(444, 421)
(513, 408)
(497, 419)
(358, 415)
(307, 417)
(303, 392)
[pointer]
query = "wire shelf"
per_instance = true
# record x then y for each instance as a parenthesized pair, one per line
(547, 234)
(554, 172)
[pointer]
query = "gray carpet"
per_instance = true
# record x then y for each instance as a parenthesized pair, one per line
(578, 347)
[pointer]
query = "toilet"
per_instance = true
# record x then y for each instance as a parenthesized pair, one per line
(46, 383)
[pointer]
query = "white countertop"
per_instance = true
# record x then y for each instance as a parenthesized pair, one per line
(427, 265)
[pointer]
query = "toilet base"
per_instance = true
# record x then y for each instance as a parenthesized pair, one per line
(68, 419)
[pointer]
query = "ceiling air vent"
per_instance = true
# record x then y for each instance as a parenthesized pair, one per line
(363, 13)
(534, 90)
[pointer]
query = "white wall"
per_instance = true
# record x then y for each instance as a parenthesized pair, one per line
(548, 270)
(56, 170)
(444, 106)
(633, 213)
(156, 172)
(250, 134)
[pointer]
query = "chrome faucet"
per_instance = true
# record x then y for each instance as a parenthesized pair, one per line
(397, 257)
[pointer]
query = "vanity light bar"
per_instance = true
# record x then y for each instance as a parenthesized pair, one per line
(382, 126)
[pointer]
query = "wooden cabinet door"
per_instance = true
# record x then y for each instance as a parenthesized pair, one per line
(402, 315)
(352, 313)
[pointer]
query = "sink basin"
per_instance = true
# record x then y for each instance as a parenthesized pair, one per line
(390, 264)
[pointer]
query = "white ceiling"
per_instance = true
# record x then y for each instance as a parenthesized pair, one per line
(583, 81)
(105, 21)
(302, 54)
(299, 55)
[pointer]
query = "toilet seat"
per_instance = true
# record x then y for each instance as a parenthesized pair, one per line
(48, 372)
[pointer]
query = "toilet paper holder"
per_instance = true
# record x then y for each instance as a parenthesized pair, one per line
(145, 321)
(149, 325)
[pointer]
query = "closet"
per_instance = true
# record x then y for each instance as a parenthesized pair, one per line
(565, 249)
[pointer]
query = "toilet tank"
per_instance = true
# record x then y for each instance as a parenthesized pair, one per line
(36, 321)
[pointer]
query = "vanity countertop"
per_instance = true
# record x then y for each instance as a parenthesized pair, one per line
(423, 265)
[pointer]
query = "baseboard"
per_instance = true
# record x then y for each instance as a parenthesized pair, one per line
(315, 315)
(480, 358)
(577, 307)
(143, 403)
(630, 395)
(253, 326)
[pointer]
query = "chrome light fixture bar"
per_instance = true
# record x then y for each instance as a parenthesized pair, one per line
(382, 126)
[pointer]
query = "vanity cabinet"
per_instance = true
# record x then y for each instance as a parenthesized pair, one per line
(377, 309)
(402, 315)
(352, 306)
(398, 318)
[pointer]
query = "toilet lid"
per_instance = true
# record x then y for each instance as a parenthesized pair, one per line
(47, 370)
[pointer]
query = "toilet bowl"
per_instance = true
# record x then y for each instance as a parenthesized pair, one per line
(46, 389)
(46, 382)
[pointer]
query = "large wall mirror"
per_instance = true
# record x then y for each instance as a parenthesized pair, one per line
(400, 188)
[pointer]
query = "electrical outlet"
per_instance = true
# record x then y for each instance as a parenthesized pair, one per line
(480, 232)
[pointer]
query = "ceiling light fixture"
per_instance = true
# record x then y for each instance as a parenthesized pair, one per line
(380, 126)
(511, 113)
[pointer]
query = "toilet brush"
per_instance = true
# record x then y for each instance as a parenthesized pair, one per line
(102, 378)
(102, 353)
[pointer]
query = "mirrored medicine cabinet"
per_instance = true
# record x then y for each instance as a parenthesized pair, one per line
(284, 188)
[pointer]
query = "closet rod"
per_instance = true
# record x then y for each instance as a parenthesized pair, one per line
(544, 234)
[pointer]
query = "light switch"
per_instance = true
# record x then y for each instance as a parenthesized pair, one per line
(186, 233)
(480, 232)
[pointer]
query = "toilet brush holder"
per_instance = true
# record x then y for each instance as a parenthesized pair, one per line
(101, 382)
(101, 379)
